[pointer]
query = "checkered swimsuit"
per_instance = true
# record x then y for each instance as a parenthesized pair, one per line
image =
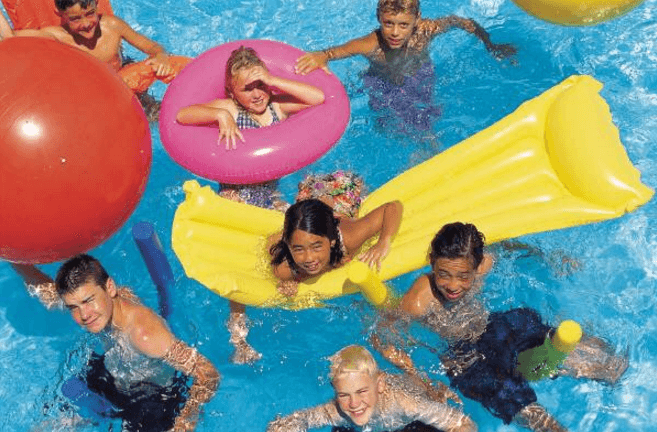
(245, 121)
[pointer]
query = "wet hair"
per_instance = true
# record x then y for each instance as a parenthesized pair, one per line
(411, 7)
(79, 270)
(458, 240)
(62, 5)
(240, 58)
(314, 217)
(353, 358)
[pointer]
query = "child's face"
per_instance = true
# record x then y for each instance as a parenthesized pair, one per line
(91, 305)
(357, 394)
(397, 28)
(454, 277)
(249, 91)
(310, 252)
(81, 21)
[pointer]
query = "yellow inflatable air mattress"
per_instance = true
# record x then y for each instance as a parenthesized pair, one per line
(556, 162)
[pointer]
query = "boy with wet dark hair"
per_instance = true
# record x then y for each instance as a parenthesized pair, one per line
(84, 28)
(137, 372)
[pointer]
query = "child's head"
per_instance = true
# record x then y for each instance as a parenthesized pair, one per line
(398, 19)
(357, 382)
(311, 240)
(411, 7)
(456, 253)
(238, 84)
(80, 17)
(87, 291)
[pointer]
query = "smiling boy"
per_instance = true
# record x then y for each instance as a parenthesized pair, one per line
(369, 399)
(82, 27)
(136, 372)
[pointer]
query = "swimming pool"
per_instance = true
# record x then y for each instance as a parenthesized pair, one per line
(612, 294)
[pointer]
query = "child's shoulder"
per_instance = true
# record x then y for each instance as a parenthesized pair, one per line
(417, 299)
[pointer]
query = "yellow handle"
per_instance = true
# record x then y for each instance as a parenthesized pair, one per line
(371, 285)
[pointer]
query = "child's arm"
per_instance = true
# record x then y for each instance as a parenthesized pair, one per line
(39, 284)
(383, 220)
(218, 111)
(5, 28)
(302, 420)
(158, 57)
(319, 59)
(298, 95)
(444, 24)
(152, 338)
(437, 414)
(536, 418)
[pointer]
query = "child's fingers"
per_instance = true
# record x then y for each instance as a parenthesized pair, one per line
(326, 69)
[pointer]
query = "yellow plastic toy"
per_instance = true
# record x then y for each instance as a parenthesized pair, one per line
(556, 162)
(577, 12)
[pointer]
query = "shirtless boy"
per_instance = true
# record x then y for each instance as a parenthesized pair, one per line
(136, 337)
(82, 27)
(367, 399)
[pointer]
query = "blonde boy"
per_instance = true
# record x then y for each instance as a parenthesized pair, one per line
(365, 396)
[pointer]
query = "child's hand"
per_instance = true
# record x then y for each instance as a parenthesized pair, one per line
(161, 65)
(374, 255)
(502, 51)
(259, 73)
(287, 288)
(311, 61)
(228, 129)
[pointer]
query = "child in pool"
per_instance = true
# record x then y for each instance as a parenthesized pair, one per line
(342, 192)
(399, 46)
(82, 27)
(401, 78)
(483, 346)
(367, 399)
(135, 373)
(251, 102)
(315, 241)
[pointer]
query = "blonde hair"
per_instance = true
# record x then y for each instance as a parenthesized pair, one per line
(411, 7)
(353, 358)
(241, 58)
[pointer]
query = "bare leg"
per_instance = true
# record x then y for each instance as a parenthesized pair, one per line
(238, 329)
(594, 359)
(536, 418)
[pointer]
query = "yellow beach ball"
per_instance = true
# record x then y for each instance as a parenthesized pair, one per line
(577, 12)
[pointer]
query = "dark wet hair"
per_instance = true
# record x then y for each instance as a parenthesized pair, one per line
(458, 240)
(312, 216)
(78, 271)
(62, 5)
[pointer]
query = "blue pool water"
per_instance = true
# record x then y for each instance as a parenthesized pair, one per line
(612, 293)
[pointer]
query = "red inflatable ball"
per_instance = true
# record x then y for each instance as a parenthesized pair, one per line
(75, 151)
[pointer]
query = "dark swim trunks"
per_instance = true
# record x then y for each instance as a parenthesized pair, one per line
(147, 407)
(492, 379)
(405, 100)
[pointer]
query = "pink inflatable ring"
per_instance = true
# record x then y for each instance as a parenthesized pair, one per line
(268, 153)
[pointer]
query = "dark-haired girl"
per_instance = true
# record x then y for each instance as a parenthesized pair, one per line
(314, 240)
